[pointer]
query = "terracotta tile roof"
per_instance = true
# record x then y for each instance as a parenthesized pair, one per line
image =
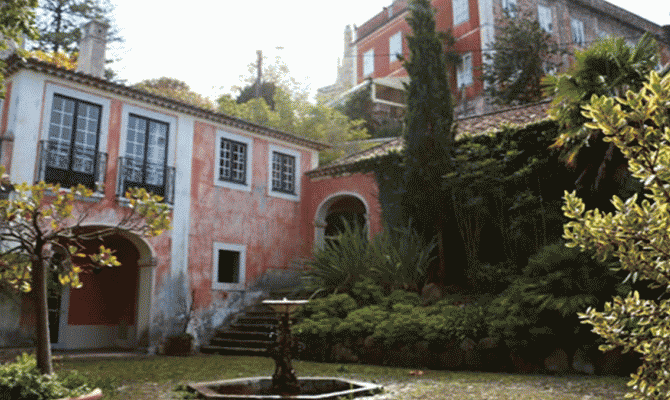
(15, 63)
(471, 125)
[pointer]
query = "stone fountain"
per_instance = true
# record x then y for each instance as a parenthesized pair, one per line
(284, 384)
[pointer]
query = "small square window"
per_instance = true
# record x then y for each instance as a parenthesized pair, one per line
(369, 62)
(464, 71)
(284, 172)
(545, 18)
(461, 11)
(228, 269)
(232, 168)
(395, 47)
(577, 32)
(228, 266)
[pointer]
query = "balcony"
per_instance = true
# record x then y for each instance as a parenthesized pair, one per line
(70, 165)
(155, 178)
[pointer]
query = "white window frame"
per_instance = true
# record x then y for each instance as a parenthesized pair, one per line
(395, 47)
(240, 248)
(510, 6)
(298, 172)
(464, 76)
(577, 28)
(461, 10)
(249, 142)
(546, 18)
(369, 62)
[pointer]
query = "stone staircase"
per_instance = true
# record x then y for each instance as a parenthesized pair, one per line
(250, 333)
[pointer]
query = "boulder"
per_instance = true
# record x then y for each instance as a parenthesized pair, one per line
(430, 294)
(581, 362)
(493, 355)
(451, 358)
(372, 353)
(523, 364)
(471, 356)
(341, 353)
(556, 361)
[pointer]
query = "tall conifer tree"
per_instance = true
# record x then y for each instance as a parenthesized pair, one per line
(428, 127)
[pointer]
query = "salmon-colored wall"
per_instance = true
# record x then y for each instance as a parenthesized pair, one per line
(268, 226)
(318, 190)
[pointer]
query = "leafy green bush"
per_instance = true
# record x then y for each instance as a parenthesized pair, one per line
(367, 292)
(22, 380)
(405, 325)
(334, 305)
(542, 304)
(448, 322)
(361, 323)
(401, 297)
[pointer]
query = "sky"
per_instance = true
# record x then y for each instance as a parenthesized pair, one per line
(210, 43)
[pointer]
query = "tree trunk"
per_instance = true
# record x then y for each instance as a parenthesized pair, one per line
(442, 271)
(42, 337)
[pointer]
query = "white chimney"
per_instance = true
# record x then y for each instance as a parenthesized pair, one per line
(92, 49)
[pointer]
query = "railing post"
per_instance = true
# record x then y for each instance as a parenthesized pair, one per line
(121, 180)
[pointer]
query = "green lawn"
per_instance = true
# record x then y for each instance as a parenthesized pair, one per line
(154, 379)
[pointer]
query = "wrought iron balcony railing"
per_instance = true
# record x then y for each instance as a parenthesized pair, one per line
(69, 165)
(155, 178)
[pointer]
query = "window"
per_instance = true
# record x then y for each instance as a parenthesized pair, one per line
(464, 71)
(228, 269)
(461, 11)
(577, 32)
(510, 6)
(233, 161)
(70, 154)
(369, 62)
(145, 162)
(283, 174)
(395, 47)
(545, 18)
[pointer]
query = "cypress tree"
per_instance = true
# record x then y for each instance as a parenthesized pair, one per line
(428, 128)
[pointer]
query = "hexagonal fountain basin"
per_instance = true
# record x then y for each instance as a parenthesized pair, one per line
(260, 388)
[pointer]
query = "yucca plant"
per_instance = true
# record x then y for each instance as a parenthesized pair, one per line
(341, 262)
(401, 258)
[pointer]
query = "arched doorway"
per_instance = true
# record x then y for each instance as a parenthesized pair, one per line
(111, 308)
(331, 213)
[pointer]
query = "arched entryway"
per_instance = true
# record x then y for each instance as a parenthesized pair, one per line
(111, 309)
(328, 221)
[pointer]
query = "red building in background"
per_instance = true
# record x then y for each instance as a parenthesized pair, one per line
(474, 23)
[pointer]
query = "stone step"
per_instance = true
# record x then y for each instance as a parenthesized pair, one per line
(233, 334)
(251, 320)
(245, 343)
(233, 350)
(253, 327)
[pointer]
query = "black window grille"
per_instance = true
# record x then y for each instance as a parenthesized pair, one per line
(233, 161)
(283, 173)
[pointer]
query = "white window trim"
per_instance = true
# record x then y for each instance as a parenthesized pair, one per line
(249, 171)
(393, 52)
(242, 249)
(298, 172)
(464, 77)
(545, 10)
(463, 14)
(579, 23)
(105, 103)
(369, 62)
